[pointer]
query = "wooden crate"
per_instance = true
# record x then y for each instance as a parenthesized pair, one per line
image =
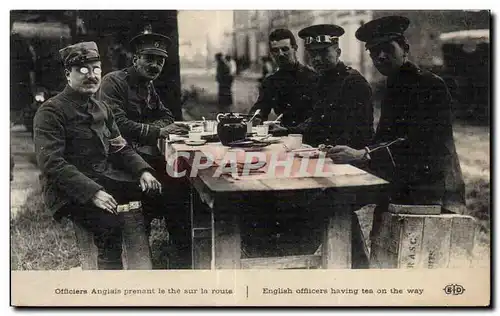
(423, 241)
(415, 209)
(136, 253)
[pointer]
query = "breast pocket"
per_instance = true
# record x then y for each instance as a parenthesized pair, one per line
(81, 133)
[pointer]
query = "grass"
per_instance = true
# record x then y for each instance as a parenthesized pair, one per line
(38, 242)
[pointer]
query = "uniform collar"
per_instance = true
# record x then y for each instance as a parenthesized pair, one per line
(408, 68)
(135, 76)
(337, 70)
(75, 96)
(293, 67)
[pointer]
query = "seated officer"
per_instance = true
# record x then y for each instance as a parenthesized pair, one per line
(343, 111)
(87, 168)
(143, 119)
(413, 147)
(288, 90)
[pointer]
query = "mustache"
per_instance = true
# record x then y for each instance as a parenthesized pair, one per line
(89, 81)
(153, 69)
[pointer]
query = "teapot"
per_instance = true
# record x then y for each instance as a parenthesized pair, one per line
(230, 128)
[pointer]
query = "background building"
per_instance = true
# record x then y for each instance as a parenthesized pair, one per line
(247, 41)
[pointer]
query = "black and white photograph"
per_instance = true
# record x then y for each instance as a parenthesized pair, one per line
(182, 140)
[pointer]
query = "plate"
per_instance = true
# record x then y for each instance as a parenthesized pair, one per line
(249, 144)
(271, 139)
(195, 142)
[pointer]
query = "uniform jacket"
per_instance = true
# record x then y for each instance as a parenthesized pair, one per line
(287, 91)
(423, 164)
(136, 105)
(342, 112)
(77, 142)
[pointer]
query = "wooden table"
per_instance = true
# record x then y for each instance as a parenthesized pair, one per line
(216, 233)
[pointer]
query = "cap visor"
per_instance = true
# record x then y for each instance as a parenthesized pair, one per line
(381, 40)
(154, 51)
(318, 46)
(83, 62)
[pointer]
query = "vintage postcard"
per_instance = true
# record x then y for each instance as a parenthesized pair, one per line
(250, 158)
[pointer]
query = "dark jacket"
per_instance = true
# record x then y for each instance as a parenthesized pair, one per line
(136, 105)
(287, 91)
(424, 166)
(342, 112)
(76, 138)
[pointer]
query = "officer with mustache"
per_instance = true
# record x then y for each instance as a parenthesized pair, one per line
(143, 119)
(87, 167)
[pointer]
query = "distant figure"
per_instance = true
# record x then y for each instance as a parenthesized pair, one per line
(225, 81)
(233, 68)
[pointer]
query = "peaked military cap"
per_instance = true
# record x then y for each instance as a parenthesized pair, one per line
(151, 43)
(79, 53)
(321, 35)
(382, 30)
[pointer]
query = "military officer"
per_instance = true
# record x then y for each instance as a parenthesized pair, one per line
(413, 146)
(343, 111)
(143, 119)
(288, 90)
(79, 148)
(130, 92)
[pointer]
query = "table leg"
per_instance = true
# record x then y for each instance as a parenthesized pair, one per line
(201, 233)
(226, 238)
(337, 243)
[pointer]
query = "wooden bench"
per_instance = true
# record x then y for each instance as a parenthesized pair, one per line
(420, 236)
(136, 253)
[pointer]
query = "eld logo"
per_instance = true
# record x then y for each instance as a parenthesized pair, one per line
(454, 289)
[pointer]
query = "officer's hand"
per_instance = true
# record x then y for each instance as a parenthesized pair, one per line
(149, 183)
(276, 127)
(174, 128)
(105, 201)
(343, 154)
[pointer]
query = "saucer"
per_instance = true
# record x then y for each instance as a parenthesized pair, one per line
(195, 142)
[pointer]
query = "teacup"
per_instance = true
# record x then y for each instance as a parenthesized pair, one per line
(194, 135)
(262, 130)
(293, 141)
